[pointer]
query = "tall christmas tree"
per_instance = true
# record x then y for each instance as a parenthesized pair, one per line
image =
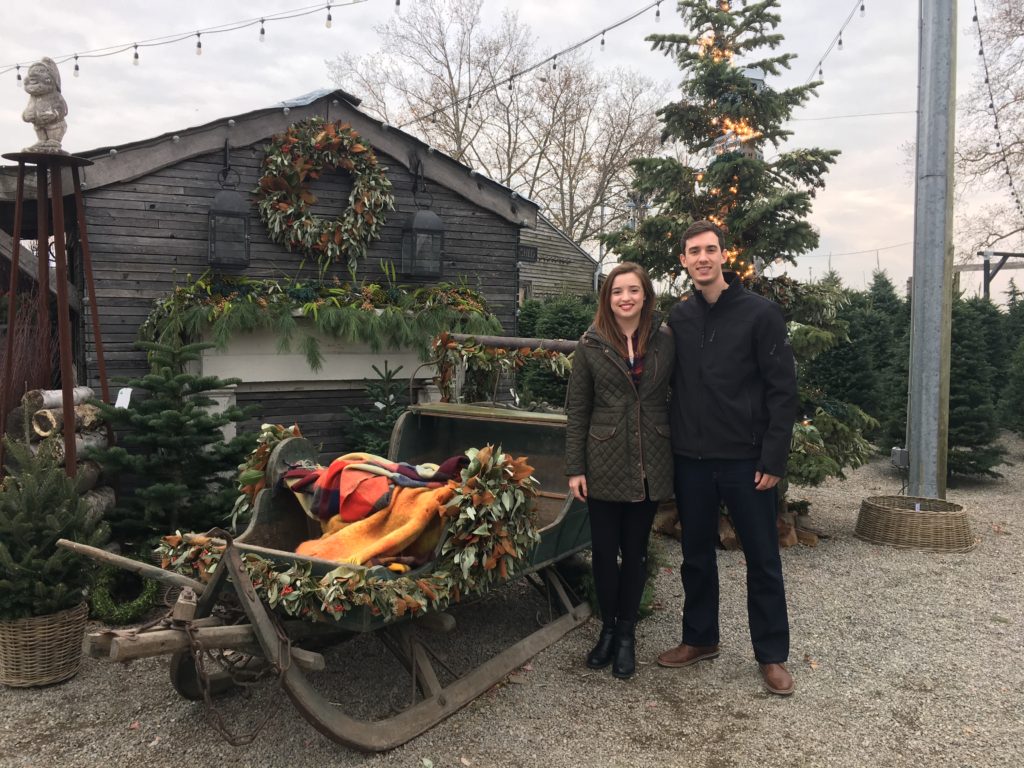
(728, 116)
(179, 470)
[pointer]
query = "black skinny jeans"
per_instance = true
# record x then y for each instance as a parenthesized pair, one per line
(620, 527)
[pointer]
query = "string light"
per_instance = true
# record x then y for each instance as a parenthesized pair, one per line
(177, 37)
(1000, 144)
(398, 6)
(263, 32)
(554, 62)
(543, 63)
(329, 19)
(135, 55)
(199, 45)
(657, 17)
(18, 79)
(602, 42)
(837, 41)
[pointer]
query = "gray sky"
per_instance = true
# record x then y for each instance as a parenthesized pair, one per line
(868, 203)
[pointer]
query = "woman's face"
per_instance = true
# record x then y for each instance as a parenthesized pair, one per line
(627, 297)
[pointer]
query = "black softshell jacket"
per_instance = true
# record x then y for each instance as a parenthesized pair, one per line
(734, 393)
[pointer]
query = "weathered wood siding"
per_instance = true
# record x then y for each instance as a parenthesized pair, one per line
(561, 266)
(148, 235)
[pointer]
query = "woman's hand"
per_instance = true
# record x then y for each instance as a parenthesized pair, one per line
(578, 486)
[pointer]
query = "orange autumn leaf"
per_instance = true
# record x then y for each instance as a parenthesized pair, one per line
(484, 454)
(357, 148)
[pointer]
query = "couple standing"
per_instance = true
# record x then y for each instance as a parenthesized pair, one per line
(733, 402)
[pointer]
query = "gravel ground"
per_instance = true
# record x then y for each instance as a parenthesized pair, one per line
(901, 658)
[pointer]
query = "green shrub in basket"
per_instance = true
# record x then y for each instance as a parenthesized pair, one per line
(38, 506)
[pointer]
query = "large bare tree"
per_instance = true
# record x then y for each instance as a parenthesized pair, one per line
(561, 134)
(981, 149)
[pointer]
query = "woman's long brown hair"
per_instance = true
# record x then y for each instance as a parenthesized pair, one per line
(604, 320)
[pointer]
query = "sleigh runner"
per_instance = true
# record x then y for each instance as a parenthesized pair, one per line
(498, 526)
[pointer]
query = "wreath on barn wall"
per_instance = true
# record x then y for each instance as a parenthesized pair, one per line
(283, 198)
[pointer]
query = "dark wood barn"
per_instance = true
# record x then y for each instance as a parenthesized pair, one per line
(552, 264)
(147, 207)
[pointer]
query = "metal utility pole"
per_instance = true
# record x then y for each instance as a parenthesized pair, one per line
(931, 303)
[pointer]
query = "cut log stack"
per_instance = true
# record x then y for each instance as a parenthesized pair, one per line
(44, 411)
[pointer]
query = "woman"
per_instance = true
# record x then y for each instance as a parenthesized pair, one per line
(617, 450)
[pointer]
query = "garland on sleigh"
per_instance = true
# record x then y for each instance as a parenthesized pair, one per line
(491, 532)
(283, 197)
(484, 362)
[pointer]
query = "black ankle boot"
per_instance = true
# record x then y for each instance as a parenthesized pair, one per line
(601, 655)
(624, 652)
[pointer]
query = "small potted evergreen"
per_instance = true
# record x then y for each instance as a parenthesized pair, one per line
(43, 588)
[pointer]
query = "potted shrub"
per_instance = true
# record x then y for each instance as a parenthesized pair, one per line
(43, 588)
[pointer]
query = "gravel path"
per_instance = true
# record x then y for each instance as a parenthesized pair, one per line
(901, 659)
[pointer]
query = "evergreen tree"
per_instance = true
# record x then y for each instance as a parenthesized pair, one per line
(371, 426)
(171, 449)
(38, 506)
(994, 324)
(727, 117)
(973, 428)
(1011, 405)
(561, 317)
(889, 339)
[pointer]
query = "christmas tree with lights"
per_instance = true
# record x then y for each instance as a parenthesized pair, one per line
(727, 119)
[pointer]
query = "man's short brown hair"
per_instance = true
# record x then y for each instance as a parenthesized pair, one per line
(699, 228)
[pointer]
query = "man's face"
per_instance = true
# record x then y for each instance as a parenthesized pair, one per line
(702, 258)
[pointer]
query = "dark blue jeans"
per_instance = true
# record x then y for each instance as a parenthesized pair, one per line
(700, 486)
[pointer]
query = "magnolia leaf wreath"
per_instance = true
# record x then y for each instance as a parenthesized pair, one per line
(283, 198)
(491, 533)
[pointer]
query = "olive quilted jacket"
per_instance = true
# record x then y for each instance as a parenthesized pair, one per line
(618, 434)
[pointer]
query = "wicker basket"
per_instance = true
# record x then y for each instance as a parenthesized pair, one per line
(43, 649)
(913, 522)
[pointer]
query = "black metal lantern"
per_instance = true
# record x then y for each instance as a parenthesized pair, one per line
(229, 230)
(229, 220)
(423, 244)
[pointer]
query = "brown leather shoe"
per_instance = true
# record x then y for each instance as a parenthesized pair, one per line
(684, 655)
(777, 679)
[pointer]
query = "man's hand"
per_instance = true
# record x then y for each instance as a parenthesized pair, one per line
(578, 486)
(763, 481)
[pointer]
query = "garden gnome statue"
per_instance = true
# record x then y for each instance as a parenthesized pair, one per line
(46, 107)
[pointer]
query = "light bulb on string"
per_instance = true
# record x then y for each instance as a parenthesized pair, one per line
(398, 6)
(17, 69)
(840, 44)
(821, 72)
(263, 32)
(862, 10)
(657, 14)
(554, 62)
(75, 72)
(602, 42)
(135, 55)
(199, 45)
(510, 83)
(329, 20)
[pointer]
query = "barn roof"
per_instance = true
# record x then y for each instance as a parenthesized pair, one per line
(125, 162)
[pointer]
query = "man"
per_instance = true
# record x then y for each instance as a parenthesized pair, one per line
(734, 400)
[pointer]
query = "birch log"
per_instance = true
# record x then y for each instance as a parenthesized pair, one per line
(37, 399)
(50, 421)
(87, 476)
(15, 424)
(101, 500)
(54, 446)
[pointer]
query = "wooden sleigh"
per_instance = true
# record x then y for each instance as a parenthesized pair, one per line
(290, 649)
